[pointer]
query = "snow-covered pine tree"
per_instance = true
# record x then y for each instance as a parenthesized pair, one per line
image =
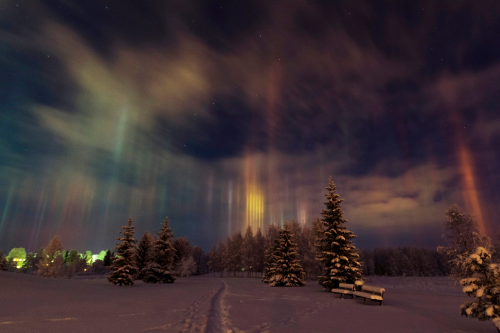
(123, 265)
(287, 270)
(273, 233)
(337, 252)
(158, 269)
(484, 285)
(144, 252)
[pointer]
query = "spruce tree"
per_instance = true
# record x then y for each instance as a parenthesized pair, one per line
(336, 250)
(272, 240)
(123, 265)
(484, 285)
(143, 253)
(287, 270)
(163, 253)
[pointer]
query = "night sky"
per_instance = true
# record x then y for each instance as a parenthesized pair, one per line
(222, 114)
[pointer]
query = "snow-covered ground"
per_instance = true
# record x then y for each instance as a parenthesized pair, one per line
(204, 304)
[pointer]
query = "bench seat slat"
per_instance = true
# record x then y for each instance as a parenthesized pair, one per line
(342, 291)
(368, 296)
(346, 286)
(377, 290)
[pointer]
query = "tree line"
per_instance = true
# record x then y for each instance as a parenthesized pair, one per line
(244, 255)
(240, 255)
(54, 261)
(404, 261)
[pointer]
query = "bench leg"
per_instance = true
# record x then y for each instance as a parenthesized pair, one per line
(364, 301)
(381, 303)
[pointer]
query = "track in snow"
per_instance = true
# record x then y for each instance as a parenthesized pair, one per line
(216, 314)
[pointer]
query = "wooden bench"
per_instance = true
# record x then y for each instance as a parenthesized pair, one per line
(372, 293)
(344, 289)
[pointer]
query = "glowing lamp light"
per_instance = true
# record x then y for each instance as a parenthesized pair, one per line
(19, 262)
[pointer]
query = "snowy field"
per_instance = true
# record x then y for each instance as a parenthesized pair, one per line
(203, 304)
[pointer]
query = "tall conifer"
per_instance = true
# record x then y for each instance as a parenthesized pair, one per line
(158, 269)
(123, 265)
(287, 270)
(337, 252)
(144, 252)
(272, 246)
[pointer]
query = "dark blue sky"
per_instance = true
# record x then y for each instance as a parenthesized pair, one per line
(222, 114)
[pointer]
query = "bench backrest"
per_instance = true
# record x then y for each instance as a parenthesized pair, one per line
(374, 290)
(346, 286)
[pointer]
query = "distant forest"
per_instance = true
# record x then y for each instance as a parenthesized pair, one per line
(244, 255)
